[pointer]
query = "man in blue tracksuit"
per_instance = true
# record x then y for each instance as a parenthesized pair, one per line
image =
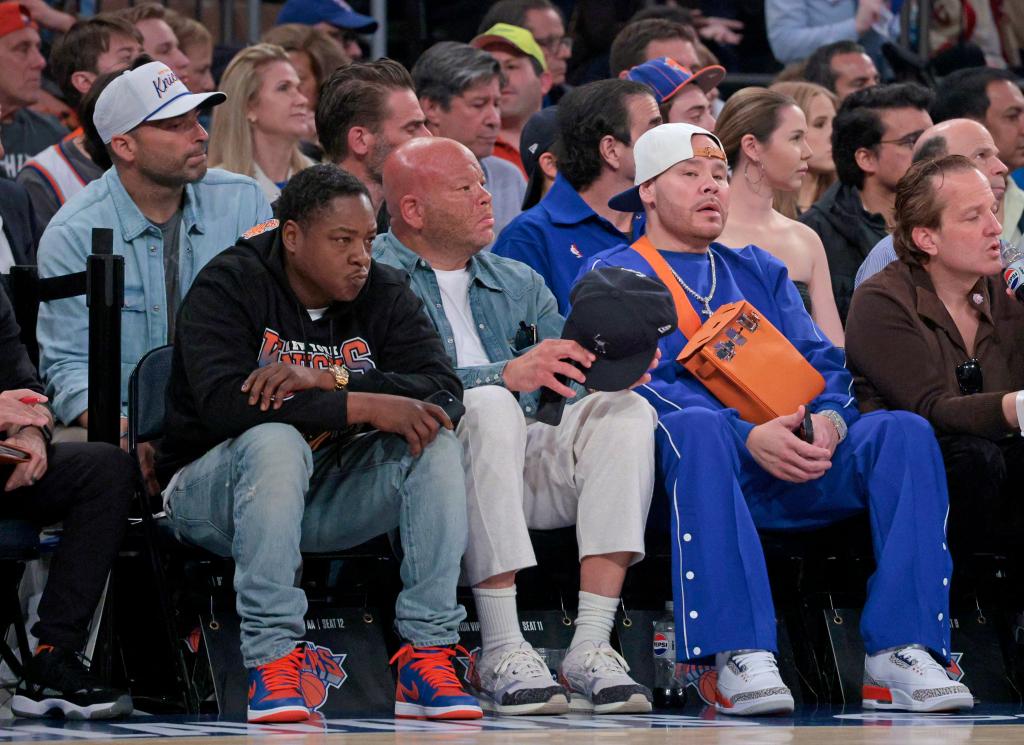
(726, 477)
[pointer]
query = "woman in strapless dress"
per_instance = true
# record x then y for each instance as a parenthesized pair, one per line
(764, 135)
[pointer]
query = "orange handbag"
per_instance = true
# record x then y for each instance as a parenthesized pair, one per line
(738, 355)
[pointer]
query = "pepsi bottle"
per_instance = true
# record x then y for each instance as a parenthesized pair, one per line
(668, 690)
(1013, 267)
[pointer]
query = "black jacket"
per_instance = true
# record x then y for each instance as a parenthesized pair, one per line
(19, 222)
(17, 370)
(848, 232)
(241, 313)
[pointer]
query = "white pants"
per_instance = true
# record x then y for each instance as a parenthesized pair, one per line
(595, 470)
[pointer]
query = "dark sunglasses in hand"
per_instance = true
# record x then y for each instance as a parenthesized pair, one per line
(968, 377)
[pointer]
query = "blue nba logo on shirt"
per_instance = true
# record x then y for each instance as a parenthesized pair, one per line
(575, 251)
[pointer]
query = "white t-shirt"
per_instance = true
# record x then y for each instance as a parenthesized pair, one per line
(454, 288)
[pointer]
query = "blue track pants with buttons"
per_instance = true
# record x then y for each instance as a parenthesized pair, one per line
(719, 496)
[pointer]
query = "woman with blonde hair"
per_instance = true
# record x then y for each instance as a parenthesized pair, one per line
(819, 105)
(764, 134)
(258, 129)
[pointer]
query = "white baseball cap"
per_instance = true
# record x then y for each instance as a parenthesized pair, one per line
(150, 92)
(657, 150)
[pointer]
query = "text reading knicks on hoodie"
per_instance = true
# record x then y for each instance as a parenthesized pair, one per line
(287, 339)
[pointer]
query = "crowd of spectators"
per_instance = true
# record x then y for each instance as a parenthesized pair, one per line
(365, 268)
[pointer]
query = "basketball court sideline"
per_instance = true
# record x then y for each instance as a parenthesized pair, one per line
(987, 725)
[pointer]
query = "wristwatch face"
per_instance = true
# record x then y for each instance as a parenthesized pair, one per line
(340, 375)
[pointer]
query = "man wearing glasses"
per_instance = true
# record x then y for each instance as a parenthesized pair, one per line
(952, 137)
(544, 20)
(169, 214)
(873, 140)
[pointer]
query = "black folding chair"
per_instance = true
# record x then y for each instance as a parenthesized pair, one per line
(19, 543)
(147, 391)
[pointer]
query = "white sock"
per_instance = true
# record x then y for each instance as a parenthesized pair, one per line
(595, 619)
(499, 618)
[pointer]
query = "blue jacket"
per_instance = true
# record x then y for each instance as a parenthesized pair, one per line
(502, 293)
(557, 235)
(216, 211)
(754, 275)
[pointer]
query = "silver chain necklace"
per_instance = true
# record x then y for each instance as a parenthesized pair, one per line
(714, 284)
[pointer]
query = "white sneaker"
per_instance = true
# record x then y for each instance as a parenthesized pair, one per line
(514, 679)
(909, 679)
(597, 679)
(749, 684)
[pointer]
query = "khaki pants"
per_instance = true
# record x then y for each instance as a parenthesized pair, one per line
(595, 470)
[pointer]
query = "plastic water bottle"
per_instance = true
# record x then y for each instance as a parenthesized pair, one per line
(668, 691)
(1013, 267)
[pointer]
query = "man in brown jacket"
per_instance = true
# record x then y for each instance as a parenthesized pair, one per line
(935, 333)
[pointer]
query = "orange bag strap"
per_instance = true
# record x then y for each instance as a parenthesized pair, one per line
(688, 320)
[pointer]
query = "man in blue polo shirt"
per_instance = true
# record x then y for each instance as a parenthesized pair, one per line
(597, 125)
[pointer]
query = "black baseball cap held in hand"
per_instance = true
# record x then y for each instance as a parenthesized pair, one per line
(619, 315)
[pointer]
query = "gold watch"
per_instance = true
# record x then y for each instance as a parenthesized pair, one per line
(340, 373)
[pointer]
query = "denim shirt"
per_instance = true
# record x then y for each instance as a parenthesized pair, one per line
(502, 293)
(216, 210)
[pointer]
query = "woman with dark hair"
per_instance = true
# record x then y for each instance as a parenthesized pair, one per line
(936, 334)
(765, 138)
(819, 106)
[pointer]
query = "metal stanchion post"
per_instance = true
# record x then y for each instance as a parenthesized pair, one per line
(104, 296)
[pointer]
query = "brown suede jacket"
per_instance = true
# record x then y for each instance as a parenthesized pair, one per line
(903, 349)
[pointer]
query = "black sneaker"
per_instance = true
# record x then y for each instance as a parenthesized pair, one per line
(57, 683)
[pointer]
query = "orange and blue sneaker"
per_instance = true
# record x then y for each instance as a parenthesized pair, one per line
(274, 694)
(428, 687)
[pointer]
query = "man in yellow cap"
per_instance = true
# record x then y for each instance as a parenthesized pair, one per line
(526, 82)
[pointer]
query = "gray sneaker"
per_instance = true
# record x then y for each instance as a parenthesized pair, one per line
(514, 680)
(749, 684)
(909, 679)
(598, 681)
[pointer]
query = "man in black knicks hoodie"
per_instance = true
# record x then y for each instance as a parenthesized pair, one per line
(295, 422)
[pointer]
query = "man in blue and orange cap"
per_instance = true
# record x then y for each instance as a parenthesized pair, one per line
(682, 96)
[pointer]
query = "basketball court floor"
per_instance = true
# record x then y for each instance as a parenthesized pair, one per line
(986, 725)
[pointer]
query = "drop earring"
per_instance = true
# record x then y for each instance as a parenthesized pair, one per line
(761, 174)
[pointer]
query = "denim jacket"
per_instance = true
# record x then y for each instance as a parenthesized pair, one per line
(216, 211)
(502, 293)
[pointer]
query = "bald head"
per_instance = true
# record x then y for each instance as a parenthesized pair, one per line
(415, 166)
(968, 138)
(434, 189)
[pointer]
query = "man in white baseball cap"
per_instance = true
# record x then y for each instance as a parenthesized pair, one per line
(148, 93)
(170, 215)
(728, 477)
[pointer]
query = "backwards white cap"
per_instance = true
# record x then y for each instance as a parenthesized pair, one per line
(148, 93)
(657, 150)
